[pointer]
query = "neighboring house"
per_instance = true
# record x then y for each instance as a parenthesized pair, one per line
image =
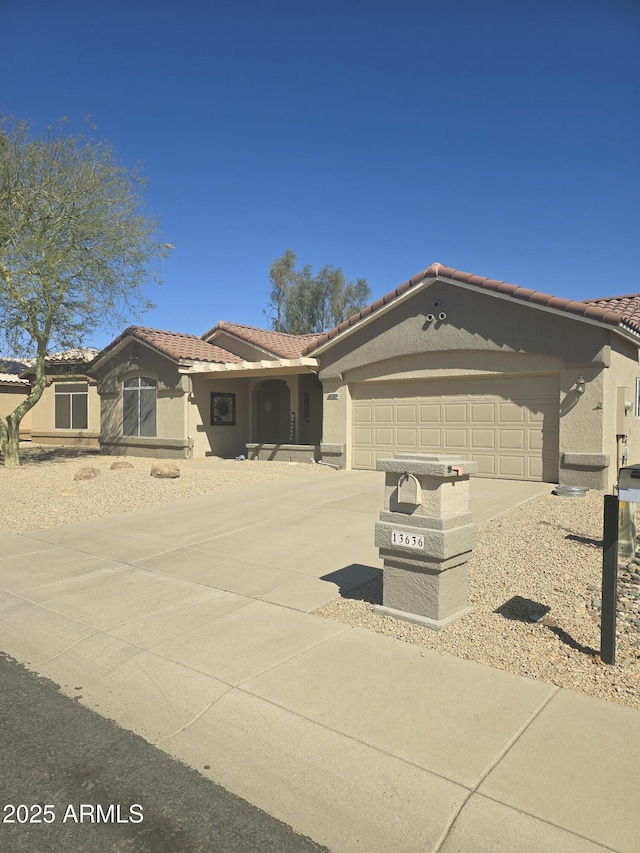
(68, 412)
(13, 390)
(528, 385)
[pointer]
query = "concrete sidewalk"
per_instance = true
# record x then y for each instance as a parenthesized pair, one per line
(190, 625)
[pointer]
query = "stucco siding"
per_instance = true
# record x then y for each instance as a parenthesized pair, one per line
(219, 440)
(475, 322)
(625, 371)
(139, 360)
(336, 425)
(581, 428)
(10, 399)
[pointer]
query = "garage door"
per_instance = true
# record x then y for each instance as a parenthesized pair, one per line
(508, 426)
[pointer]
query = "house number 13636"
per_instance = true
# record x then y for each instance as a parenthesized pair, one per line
(407, 540)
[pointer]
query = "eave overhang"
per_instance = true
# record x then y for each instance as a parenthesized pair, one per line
(252, 368)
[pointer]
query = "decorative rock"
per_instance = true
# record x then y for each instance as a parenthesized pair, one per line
(86, 473)
(165, 470)
(121, 465)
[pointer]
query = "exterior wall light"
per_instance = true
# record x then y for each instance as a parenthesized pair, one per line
(580, 385)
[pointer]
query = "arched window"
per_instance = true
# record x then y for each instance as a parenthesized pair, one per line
(139, 406)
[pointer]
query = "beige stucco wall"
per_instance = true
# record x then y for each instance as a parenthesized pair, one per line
(10, 397)
(624, 373)
(219, 440)
(43, 429)
(481, 335)
(584, 459)
(475, 322)
(138, 360)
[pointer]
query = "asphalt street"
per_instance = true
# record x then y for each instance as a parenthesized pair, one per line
(71, 780)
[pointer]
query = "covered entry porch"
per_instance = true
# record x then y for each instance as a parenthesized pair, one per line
(286, 418)
(269, 411)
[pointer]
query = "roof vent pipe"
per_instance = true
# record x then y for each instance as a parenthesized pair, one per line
(430, 318)
(442, 316)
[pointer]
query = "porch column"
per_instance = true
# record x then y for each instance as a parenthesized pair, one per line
(294, 405)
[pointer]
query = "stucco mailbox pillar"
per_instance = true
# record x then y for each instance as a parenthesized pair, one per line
(425, 535)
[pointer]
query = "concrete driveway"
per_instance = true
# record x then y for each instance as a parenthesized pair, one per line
(190, 624)
(296, 542)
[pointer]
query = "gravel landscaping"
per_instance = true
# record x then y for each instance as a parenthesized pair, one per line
(42, 491)
(541, 559)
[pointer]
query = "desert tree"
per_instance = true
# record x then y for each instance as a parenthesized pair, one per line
(282, 275)
(76, 248)
(309, 302)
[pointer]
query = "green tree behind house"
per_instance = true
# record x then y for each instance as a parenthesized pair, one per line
(301, 302)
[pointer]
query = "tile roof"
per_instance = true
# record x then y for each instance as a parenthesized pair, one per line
(612, 311)
(84, 354)
(11, 365)
(176, 345)
(13, 379)
(628, 306)
(278, 343)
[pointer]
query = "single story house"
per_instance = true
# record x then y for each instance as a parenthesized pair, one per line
(68, 413)
(528, 385)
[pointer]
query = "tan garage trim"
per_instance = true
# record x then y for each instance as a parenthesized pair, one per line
(509, 426)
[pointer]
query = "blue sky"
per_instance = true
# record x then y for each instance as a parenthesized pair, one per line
(497, 137)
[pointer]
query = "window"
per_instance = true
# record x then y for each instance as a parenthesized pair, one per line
(71, 405)
(638, 398)
(139, 406)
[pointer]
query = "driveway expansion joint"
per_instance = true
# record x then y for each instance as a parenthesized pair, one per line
(68, 648)
(524, 811)
(516, 737)
(357, 740)
(159, 743)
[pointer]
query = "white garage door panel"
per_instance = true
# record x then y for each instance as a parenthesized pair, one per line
(508, 426)
(364, 459)
(486, 465)
(483, 439)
